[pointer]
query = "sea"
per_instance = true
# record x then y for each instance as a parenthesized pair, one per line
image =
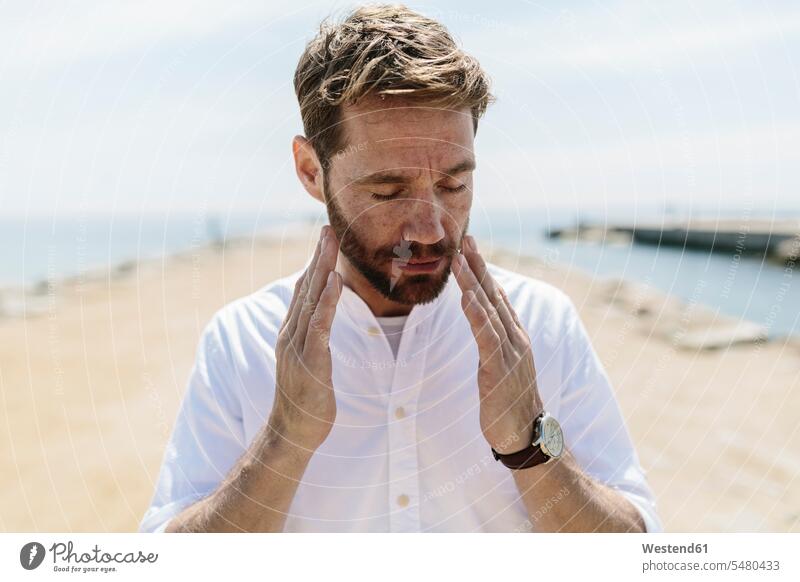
(40, 248)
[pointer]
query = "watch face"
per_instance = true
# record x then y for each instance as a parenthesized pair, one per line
(552, 437)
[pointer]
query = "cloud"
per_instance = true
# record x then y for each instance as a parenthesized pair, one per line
(106, 104)
(631, 35)
(35, 37)
(712, 167)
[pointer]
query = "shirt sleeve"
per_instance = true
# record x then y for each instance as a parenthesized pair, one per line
(594, 429)
(208, 436)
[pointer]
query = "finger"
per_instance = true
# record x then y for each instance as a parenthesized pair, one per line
(297, 286)
(511, 310)
(490, 287)
(470, 283)
(325, 264)
(489, 345)
(317, 340)
(300, 299)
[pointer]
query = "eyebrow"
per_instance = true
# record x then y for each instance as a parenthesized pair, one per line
(390, 177)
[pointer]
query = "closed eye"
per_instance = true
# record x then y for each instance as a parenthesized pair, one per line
(377, 196)
(458, 189)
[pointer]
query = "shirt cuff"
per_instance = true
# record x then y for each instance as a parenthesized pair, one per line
(156, 519)
(647, 510)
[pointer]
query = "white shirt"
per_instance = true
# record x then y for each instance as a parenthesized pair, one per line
(406, 453)
(392, 327)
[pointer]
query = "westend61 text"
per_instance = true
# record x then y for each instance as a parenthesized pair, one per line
(671, 549)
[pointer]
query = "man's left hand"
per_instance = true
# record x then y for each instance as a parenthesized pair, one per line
(509, 396)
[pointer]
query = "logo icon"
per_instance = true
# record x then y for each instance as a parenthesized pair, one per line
(403, 253)
(31, 555)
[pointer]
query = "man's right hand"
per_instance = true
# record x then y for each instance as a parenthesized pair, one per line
(304, 408)
(258, 491)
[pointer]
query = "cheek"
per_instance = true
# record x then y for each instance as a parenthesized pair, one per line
(457, 210)
(375, 225)
(376, 216)
(373, 220)
(461, 204)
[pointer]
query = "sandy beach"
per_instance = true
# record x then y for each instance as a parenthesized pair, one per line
(92, 370)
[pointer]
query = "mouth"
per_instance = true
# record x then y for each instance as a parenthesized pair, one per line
(427, 265)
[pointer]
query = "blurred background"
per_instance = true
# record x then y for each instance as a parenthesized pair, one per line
(641, 155)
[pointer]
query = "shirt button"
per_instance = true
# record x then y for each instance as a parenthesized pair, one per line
(402, 500)
(372, 330)
(400, 412)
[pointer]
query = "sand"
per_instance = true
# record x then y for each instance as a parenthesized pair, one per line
(92, 370)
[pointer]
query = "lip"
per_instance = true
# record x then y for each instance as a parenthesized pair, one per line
(421, 265)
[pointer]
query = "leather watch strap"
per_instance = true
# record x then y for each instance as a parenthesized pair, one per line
(530, 456)
(527, 457)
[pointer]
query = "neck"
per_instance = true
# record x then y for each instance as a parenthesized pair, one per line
(378, 304)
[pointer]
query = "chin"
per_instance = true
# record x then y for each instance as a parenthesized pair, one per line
(418, 289)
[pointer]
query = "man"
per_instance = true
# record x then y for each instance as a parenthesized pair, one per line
(372, 390)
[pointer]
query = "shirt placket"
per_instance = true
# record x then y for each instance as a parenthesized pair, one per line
(404, 496)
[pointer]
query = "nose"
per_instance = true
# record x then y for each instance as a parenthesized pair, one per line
(424, 221)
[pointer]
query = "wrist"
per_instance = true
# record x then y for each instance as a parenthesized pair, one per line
(516, 441)
(276, 443)
(523, 436)
(546, 443)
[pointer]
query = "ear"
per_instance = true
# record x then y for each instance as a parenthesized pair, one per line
(308, 167)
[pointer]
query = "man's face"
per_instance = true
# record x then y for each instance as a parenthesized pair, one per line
(400, 192)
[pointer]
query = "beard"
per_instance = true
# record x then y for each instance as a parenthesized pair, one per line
(397, 286)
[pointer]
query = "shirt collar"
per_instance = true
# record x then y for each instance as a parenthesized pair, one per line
(361, 315)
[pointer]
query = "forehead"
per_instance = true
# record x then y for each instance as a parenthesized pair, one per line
(395, 133)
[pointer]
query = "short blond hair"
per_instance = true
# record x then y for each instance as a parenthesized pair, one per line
(382, 50)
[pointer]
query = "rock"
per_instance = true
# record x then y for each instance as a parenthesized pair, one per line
(788, 251)
(721, 336)
(18, 303)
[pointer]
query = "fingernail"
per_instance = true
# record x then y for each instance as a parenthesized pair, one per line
(330, 278)
(472, 244)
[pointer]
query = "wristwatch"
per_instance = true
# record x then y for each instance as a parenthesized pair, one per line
(548, 443)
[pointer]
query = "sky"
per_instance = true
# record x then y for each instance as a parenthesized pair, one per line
(140, 107)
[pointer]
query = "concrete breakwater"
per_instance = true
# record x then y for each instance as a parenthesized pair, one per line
(775, 240)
